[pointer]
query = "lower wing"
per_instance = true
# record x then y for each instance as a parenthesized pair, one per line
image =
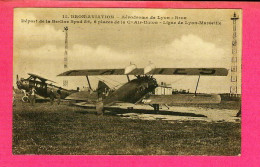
(116, 105)
(159, 99)
(182, 99)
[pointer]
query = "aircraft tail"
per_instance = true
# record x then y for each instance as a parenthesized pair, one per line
(102, 90)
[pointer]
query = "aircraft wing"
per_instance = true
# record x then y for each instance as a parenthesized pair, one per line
(40, 97)
(182, 99)
(117, 105)
(41, 78)
(155, 71)
(189, 71)
(85, 105)
(90, 72)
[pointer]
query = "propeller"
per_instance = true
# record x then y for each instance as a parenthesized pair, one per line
(17, 78)
(17, 81)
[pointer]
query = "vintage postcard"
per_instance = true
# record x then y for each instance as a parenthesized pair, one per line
(127, 81)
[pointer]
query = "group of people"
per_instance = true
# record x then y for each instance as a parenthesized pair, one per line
(32, 95)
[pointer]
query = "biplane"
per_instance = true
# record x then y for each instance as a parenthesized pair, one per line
(42, 86)
(139, 90)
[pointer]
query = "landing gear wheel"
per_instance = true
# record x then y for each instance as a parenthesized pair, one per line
(156, 108)
(25, 99)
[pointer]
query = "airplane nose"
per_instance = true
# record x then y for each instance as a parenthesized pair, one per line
(22, 84)
(153, 83)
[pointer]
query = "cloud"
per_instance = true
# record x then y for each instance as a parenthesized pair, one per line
(49, 59)
(35, 34)
(84, 56)
(192, 51)
(186, 51)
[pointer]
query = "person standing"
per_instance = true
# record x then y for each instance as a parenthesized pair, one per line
(58, 95)
(52, 96)
(32, 96)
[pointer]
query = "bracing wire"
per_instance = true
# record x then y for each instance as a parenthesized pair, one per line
(112, 79)
(178, 79)
(106, 81)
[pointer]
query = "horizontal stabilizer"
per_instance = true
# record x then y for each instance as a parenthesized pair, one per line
(83, 96)
(39, 97)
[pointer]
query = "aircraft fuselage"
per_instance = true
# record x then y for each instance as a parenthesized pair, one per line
(132, 91)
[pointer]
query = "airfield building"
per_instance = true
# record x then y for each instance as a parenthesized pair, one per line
(163, 89)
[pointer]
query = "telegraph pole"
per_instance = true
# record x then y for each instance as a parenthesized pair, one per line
(234, 59)
(65, 82)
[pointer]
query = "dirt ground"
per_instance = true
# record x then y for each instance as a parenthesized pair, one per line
(69, 130)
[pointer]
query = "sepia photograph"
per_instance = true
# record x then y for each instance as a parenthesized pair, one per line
(127, 81)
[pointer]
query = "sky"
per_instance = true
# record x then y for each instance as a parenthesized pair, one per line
(39, 46)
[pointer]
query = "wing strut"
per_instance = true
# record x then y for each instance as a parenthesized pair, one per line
(88, 82)
(197, 85)
(128, 78)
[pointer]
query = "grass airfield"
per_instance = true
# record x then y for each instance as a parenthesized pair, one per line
(70, 130)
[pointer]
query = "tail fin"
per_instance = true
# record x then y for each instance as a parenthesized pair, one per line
(102, 90)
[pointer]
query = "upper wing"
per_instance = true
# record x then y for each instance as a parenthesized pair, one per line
(189, 71)
(90, 72)
(93, 72)
(41, 78)
(155, 71)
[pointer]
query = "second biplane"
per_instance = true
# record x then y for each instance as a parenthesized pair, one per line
(42, 86)
(139, 89)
